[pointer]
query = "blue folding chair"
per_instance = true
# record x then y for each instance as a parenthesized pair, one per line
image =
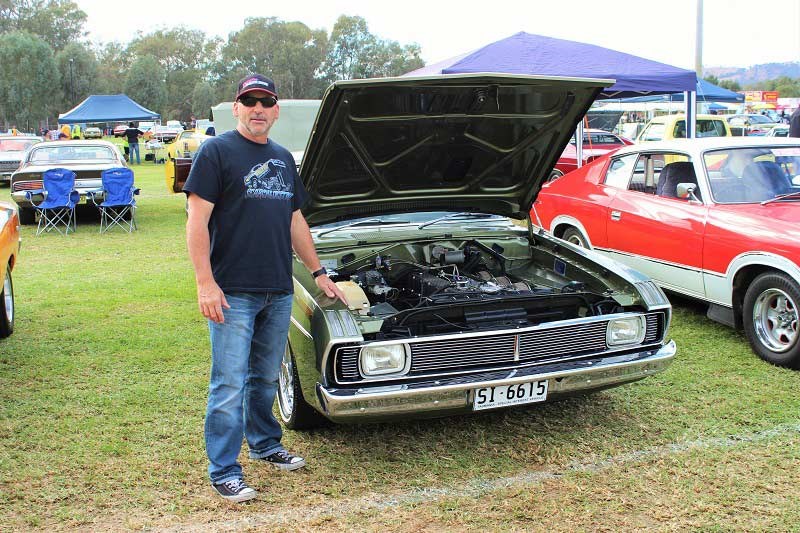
(118, 207)
(57, 209)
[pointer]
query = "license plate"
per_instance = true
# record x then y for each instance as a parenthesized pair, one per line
(505, 395)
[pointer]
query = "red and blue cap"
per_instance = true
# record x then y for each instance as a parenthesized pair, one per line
(256, 82)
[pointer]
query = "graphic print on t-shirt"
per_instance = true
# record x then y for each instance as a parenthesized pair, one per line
(265, 180)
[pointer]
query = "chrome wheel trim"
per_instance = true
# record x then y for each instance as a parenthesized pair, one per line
(775, 320)
(577, 240)
(286, 386)
(8, 298)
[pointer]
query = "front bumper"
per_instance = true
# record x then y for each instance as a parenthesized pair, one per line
(22, 201)
(455, 395)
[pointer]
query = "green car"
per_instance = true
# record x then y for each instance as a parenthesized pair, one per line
(420, 193)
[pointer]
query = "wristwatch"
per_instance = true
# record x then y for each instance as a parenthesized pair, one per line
(320, 272)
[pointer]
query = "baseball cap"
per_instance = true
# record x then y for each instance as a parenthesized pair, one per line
(256, 82)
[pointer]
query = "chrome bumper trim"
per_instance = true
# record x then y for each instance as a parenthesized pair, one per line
(450, 396)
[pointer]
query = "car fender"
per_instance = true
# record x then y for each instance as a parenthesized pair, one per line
(719, 289)
(567, 220)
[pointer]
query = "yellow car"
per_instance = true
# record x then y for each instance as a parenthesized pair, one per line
(667, 127)
(179, 154)
(186, 144)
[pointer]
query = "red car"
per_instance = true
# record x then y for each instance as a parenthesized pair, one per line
(595, 144)
(119, 130)
(714, 219)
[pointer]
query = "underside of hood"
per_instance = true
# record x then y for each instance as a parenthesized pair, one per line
(476, 142)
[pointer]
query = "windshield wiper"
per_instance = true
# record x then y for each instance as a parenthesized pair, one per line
(372, 221)
(781, 197)
(453, 215)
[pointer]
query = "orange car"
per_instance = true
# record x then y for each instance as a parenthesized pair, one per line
(9, 249)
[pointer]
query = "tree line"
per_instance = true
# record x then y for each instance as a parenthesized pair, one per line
(48, 66)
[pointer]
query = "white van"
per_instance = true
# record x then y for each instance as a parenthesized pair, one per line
(292, 129)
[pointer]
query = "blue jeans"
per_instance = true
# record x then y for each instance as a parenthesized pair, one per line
(246, 353)
(134, 147)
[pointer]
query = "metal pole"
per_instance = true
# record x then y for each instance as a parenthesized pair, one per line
(698, 49)
(71, 85)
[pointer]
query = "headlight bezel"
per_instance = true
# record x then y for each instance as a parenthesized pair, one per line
(616, 337)
(396, 371)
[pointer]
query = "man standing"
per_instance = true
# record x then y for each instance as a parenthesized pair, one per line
(132, 134)
(244, 198)
(794, 123)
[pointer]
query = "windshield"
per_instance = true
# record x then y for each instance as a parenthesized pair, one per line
(412, 218)
(16, 145)
(753, 175)
(73, 152)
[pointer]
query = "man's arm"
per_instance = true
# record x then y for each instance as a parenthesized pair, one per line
(303, 246)
(210, 297)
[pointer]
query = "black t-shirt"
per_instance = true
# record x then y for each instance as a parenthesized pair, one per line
(255, 190)
(133, 135)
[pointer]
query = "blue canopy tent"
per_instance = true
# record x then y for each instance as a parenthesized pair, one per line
(107, 108)
(705, 90)
(525, 53)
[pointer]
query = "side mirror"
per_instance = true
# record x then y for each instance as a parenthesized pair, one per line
(686, 191)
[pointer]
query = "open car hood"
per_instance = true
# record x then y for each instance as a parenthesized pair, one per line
(464, 142)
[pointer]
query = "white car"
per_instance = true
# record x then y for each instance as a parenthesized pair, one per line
(87, 159)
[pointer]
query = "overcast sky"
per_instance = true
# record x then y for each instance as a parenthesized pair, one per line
(736, 32)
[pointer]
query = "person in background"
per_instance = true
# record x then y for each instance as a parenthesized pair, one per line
(132, 135)
(63, 136)
(66, 130)
(53, 134)
(244, 220)
(76, 132)
(13, 130)
(794, 123)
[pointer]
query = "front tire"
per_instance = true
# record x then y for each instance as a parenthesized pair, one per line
(7, 306)
(295, 412)
(574, 236)
(554, 175)
(771, 317)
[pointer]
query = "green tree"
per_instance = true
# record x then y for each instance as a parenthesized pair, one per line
(28, 79)
(203, 98)
(146, 84)
(289, 52)
(57, 22)
(185, 56)
(112, 68)
(354, 52)
(77, 67)
(350, 43)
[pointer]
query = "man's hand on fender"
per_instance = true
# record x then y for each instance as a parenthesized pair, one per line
(330, 288)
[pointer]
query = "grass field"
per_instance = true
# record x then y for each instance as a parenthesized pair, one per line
(102, 397)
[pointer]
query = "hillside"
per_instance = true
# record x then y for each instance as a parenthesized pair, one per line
(755, 73)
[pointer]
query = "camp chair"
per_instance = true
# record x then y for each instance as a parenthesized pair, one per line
(58, 206)
(118, 207)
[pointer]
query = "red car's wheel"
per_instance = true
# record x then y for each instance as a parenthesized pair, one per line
(772, 317)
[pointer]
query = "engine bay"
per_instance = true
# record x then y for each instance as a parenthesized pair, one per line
(440, 287)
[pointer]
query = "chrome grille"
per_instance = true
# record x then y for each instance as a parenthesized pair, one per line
(502, 350)
(27, 185)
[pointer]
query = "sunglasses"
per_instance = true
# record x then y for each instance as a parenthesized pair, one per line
(250, 101)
